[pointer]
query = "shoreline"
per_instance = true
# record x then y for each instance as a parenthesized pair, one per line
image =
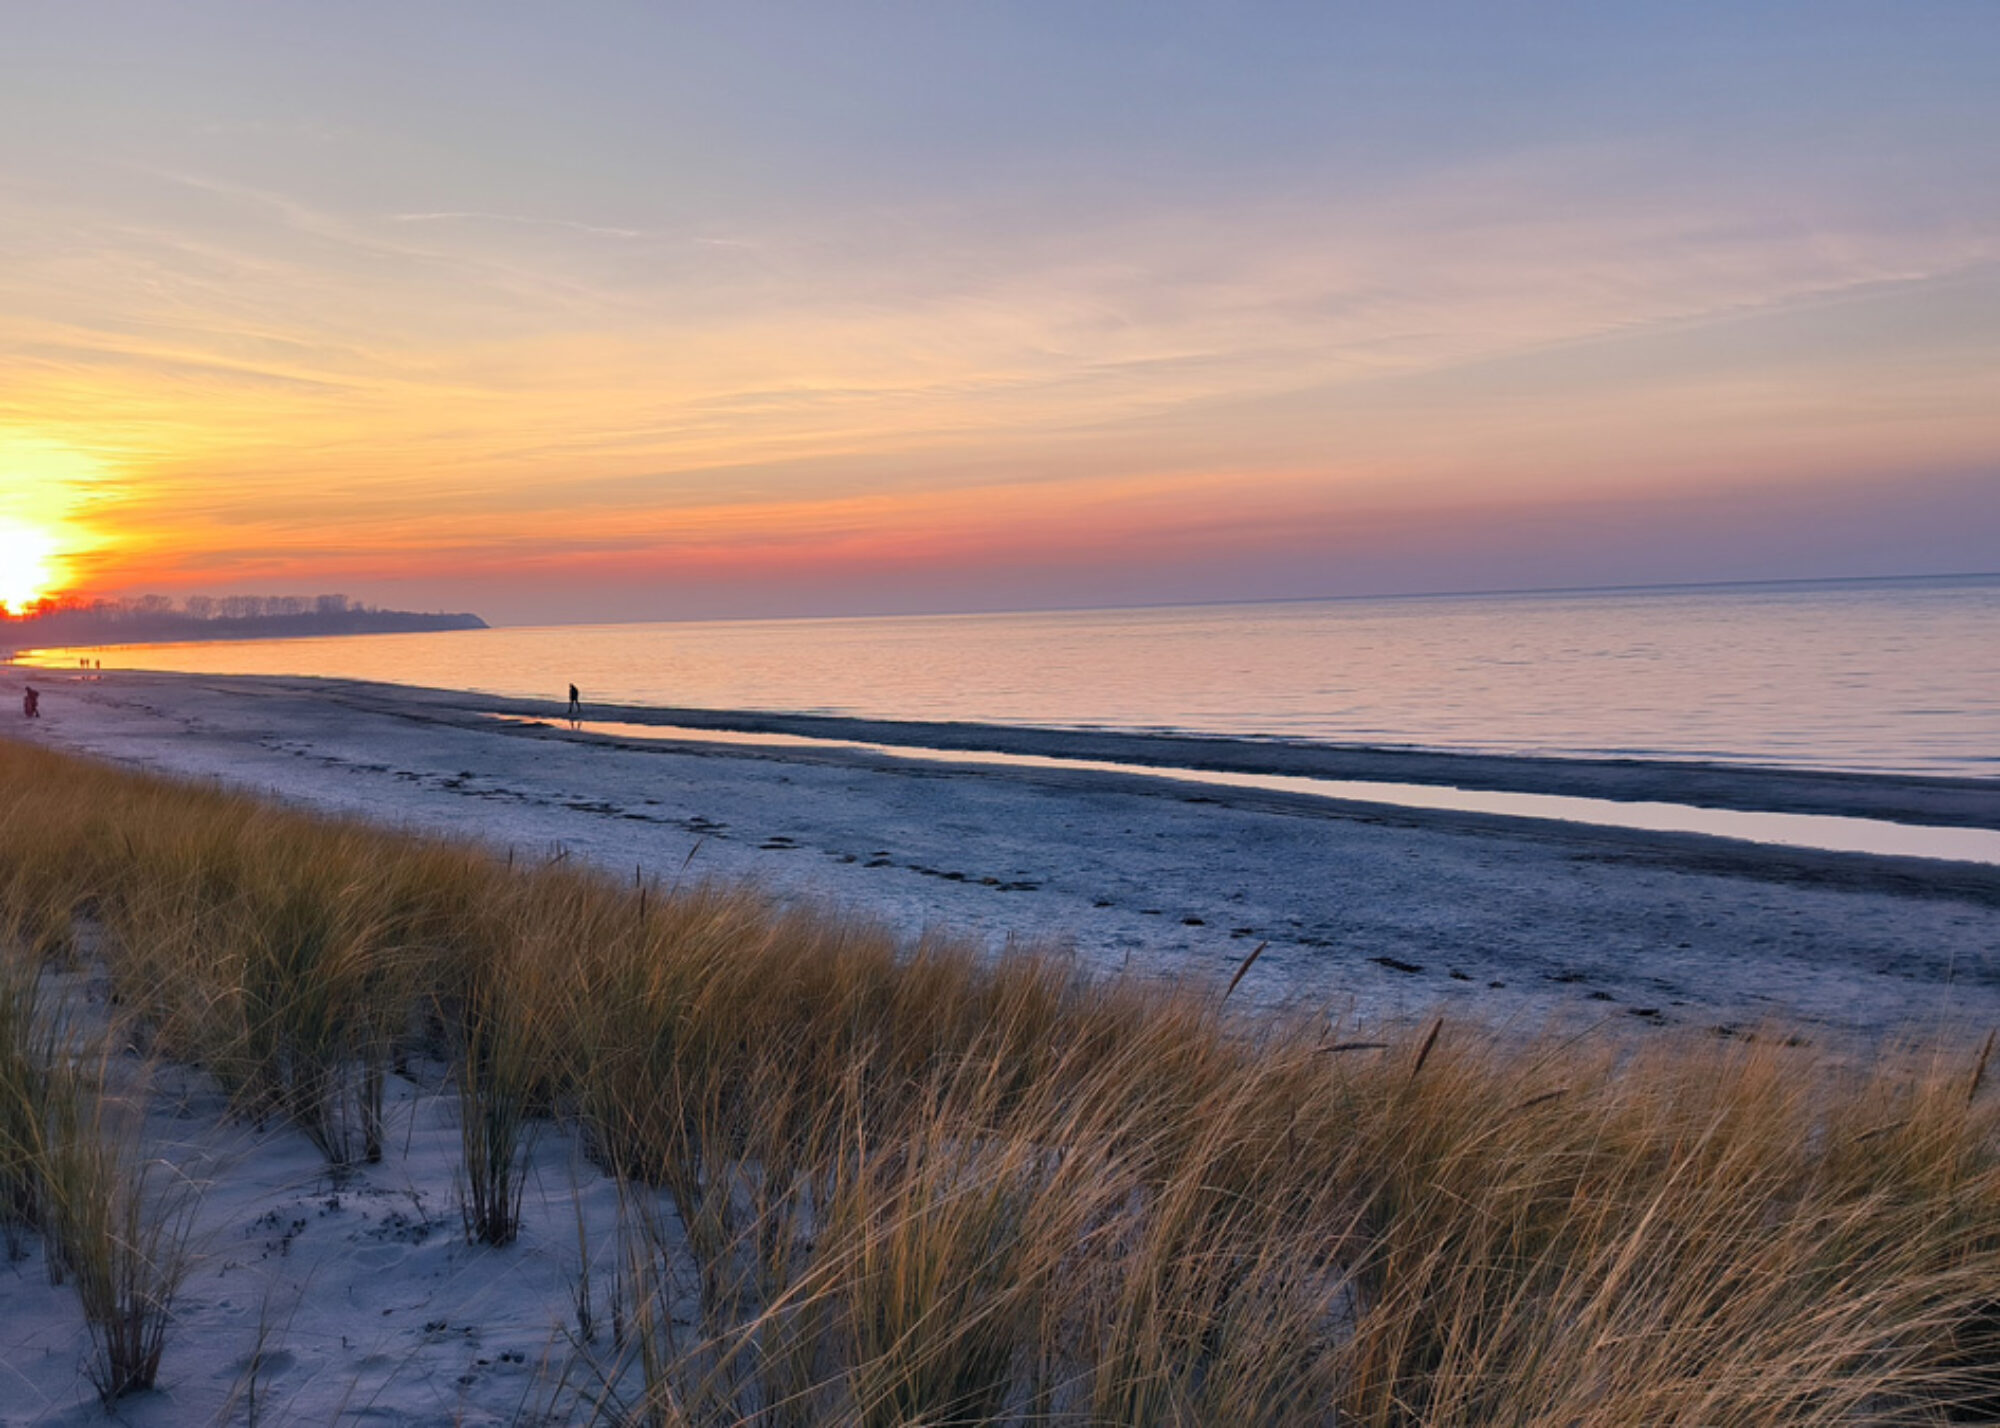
(1389, 910)
(1940, 800)
(1943, 800)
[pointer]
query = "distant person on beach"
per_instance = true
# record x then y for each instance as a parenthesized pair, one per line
(31, 702)
(575, 706)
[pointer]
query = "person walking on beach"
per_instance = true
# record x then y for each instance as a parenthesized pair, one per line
(575, 706)
(31, 702)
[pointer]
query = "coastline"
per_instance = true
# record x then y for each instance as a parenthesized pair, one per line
(436, 1224)
(1383, 912)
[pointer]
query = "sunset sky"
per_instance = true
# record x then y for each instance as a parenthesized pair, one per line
(622, 311)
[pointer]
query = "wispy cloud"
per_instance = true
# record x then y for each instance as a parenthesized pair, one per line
(596, 230)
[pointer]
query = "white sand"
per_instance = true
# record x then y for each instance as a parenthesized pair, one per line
(372, 1303)
(355, 1297)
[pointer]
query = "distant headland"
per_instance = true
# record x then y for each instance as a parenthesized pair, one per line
(155, 619)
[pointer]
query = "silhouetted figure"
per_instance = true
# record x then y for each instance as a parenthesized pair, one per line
(31, 702)
(575, 706)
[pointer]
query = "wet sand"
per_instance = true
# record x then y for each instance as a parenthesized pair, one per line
(1385, 912)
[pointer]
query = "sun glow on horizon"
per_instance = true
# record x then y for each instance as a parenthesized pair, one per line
(29, 565)
(47, 538)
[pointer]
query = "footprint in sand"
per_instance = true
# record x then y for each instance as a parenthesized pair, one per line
(267, 1365)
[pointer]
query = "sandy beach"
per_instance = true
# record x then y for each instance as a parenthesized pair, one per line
(1383, 912)
(317, 1295)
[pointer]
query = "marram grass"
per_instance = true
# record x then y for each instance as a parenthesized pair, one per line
(884, 1185)
(74, 1171)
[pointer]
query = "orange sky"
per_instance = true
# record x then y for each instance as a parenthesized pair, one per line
(363, 318)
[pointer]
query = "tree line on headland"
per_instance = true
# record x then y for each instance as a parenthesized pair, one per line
(153, 619)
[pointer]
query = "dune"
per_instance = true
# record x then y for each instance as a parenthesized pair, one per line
(443, 1178)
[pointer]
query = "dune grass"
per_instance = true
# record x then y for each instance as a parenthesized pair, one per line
(74, 1170)
(118, 1219)
(878, 1184)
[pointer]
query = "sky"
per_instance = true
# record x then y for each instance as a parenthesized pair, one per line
(646, 311)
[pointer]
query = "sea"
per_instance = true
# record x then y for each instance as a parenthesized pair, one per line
(1897, 675)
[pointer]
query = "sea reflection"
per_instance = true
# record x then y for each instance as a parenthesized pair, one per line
(1819, 832)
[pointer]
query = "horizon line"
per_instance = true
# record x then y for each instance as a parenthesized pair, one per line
(1472, 594)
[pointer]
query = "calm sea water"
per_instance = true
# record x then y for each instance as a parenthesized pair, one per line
(1884, 675)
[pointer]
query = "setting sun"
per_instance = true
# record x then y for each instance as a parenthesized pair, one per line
(28, 560)
(47, 538)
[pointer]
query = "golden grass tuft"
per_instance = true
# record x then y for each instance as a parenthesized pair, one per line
(74, 1169)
